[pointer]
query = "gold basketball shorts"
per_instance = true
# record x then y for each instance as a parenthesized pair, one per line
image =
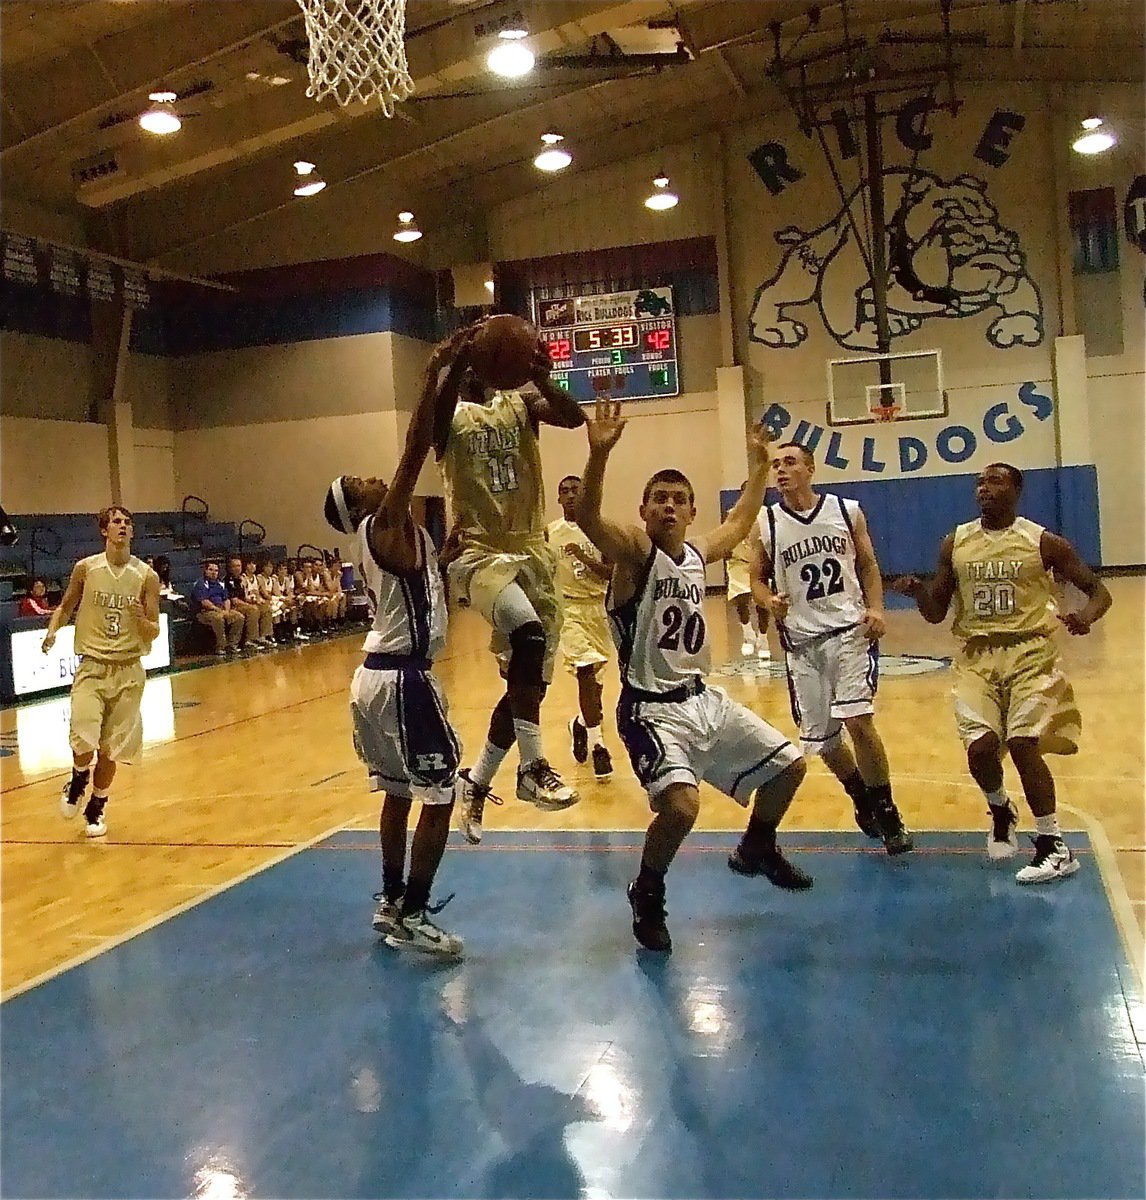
(105, 709)
(479, 575)
(1015, 689)
(585, 638)
(738, 584)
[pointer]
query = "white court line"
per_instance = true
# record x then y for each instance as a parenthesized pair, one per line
(1120, 903)
(209, 891)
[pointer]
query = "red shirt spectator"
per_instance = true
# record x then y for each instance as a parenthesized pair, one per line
(35, 603)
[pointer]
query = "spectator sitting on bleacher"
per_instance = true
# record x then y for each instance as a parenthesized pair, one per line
(279, 616)
(283, 585)
(162, 567)
(331, 573)
(258, 627)
(315, 607)
(35, 603)
(211, 606)
(253, 588)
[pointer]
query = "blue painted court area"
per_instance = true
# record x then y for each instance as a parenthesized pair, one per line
(917, 1027)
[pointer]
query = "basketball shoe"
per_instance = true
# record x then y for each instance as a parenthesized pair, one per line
(415, 931)
(72, 795)
(649, 915)
(602, 763)
(1053, 860)
(579, 736)
(540, 784)
(896, 838)
(93, 817)
(866, 819)
(471, 799)
(386, 915)
(1002, 841)
(774, 867)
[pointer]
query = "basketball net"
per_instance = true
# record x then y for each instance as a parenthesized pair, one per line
(885, 412)
(357, 51)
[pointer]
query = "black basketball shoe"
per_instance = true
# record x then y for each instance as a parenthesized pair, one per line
(649, 915)
(774, 867)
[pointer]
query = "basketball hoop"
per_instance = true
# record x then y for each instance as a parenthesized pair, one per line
(357, 51)
(885, 412)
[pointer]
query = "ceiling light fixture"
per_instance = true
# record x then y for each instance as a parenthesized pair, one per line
(552, 158)
(161, 118)
(1095, 140)
(310, 182)
(661, 198)
(407, 231)
(511, 57)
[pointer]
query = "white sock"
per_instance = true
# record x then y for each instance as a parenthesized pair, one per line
(1048, 826)
(528, 741)
(97, 794)
(490, 758)
(996, 799)
(594, 732)
(746, 634)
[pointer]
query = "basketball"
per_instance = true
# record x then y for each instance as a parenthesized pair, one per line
(502, 352)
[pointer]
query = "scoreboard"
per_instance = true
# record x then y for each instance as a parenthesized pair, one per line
(623, 343)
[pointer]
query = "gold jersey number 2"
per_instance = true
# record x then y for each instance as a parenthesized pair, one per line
(994, 599)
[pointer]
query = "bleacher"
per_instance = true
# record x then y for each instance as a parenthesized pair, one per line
(51, 543)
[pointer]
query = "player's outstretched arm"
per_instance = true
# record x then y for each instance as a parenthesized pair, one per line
(1059, 554)
(551, 405)
(933, 598)
(625, 545)
(68, 601)
(439, 393)
(737, 524)
(451, 354)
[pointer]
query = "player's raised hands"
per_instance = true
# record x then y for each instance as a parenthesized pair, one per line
(605, 425)
(454, 347)
(542, 363)
(759, 446)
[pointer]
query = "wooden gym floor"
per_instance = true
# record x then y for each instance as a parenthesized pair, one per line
(250, 761)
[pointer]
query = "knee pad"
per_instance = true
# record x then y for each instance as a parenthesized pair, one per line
(527, 654)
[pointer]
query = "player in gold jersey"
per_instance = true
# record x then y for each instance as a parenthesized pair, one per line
(502, 567)
(117, 597)
(1010, 690)
(586, 643)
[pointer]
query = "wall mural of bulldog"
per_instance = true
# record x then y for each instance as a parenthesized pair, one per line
(950, 256)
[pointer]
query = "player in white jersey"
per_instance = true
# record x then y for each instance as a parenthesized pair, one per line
(583, 579)
(117, 598)
(1011, 694)
(401, 731)
(815, 568)
(677, 730)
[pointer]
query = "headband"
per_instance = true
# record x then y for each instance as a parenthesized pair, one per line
(338, 495)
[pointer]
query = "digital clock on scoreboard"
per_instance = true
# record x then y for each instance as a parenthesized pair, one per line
(622, 343)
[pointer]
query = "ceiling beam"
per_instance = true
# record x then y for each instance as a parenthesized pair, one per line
(246, 23)
(438, 62)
